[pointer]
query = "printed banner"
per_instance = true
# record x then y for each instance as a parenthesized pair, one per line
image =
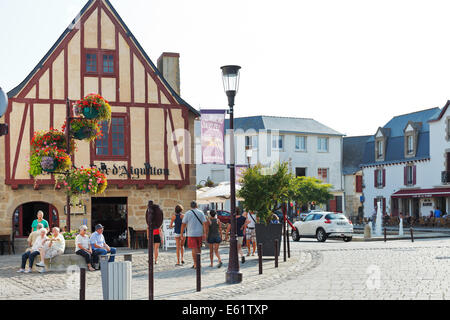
(213, 128)
(169, 235)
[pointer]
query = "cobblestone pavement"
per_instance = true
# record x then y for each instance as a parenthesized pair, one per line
(331, 270)
(397, 270)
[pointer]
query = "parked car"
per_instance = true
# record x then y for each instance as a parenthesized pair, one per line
(323, 225)
(223, 216)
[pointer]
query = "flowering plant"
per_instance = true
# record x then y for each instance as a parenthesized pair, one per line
(84, 180)
(49, 159)
(53, 137)
(84, 129)
(94, 106)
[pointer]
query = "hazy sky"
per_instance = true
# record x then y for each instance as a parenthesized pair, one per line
(349, 64)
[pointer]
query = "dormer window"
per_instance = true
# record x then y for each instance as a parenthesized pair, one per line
(379, 149)
(410, 144)
(411, 132)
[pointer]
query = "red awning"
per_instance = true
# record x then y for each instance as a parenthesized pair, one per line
(422, 193)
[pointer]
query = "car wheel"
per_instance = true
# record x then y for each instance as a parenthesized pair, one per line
(321, 235)
(295, 235)
(348, 239)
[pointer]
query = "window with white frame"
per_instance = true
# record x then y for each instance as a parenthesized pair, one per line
(277, 142)
(322, 174)
(410, 144)
(300, 143)
(322, 144)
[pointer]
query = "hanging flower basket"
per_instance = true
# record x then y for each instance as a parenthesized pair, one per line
(50, 138)
(84, 181)
(50, 160)
(94, 107)
(84, 129)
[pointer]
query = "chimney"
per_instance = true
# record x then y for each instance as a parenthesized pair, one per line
(169, 66)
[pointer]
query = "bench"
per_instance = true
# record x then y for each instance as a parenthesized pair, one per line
(62, 262)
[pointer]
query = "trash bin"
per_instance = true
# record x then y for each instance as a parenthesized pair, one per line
(116, 279)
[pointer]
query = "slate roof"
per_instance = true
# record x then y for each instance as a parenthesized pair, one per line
(283, 125)
(353, 152)
(395, 140)
(17, 89)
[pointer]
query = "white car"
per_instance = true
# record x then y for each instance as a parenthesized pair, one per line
(323, 225)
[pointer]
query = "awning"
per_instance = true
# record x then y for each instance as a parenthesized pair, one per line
(422, 193)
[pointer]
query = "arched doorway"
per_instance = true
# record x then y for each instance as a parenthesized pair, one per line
(25, 214)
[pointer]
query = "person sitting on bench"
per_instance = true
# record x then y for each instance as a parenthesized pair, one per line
(83, 247)
(53, 247)
(30, 255)
(99, 246)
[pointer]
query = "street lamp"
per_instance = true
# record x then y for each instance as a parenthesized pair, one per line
(230, 76)
(3, 107)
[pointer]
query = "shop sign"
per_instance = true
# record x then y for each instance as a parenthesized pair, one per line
(169, 235)
(131, 172)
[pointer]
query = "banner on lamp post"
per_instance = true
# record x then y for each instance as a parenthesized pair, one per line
(212, 136)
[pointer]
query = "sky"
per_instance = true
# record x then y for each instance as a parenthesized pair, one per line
(349, 64)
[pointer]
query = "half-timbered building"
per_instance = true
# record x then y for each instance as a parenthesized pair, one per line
(146, 151)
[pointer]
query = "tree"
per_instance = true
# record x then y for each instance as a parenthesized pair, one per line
(265, 193)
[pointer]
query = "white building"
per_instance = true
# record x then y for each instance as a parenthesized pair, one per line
(310, 148)
(406, 164)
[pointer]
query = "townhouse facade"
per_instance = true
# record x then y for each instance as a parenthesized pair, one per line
(309, 147)
(406, 164)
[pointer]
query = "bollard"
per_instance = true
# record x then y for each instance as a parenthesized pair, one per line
(82, 283)
(276, 253)
(199, 275)
(412, 235)
(288, 246)
(260, 258)
(384, 234)
(284, 239)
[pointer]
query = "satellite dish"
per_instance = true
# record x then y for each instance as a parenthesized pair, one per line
(3, 102)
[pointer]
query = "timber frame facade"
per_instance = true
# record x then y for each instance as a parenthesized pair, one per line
(97, 53)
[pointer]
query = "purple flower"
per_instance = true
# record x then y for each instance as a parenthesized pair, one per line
(47, 163)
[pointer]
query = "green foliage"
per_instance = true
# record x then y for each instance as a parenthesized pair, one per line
(263, 193)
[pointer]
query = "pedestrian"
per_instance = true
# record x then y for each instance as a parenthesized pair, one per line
(240, 229)
(176, 222)
(195, 220)
(99, 246)
(214, 238)
(40, 219)
(251, 232)
(437, 213)
(54, 246)
(83, 247)
(33, 236)
(275, 219)
(158, 240)
(31, 255)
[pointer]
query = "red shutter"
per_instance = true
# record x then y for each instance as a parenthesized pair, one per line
(384, 177)
(414, 175)
(405, 175)
(376, 178)
(358, 183)
(384, 205)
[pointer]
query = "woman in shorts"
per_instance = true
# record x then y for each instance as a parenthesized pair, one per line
(214, 231)
(157, 241)
(176, 221)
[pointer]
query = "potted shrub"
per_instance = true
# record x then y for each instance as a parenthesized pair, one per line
(93, 107)
(69, 238)
(84, 181)
(49, 159)
(263, 193)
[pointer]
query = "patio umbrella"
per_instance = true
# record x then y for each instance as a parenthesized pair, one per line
(220, 193)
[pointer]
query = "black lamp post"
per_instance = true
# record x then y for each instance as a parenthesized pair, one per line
(230, 75)
(3, 107)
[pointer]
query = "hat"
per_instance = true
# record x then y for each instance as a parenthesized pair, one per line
(99, 226)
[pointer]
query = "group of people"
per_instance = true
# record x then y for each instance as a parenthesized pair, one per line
(201, 228)
(193, 224)
(50, 246)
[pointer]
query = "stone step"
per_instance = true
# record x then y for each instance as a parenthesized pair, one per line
(59, 263)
